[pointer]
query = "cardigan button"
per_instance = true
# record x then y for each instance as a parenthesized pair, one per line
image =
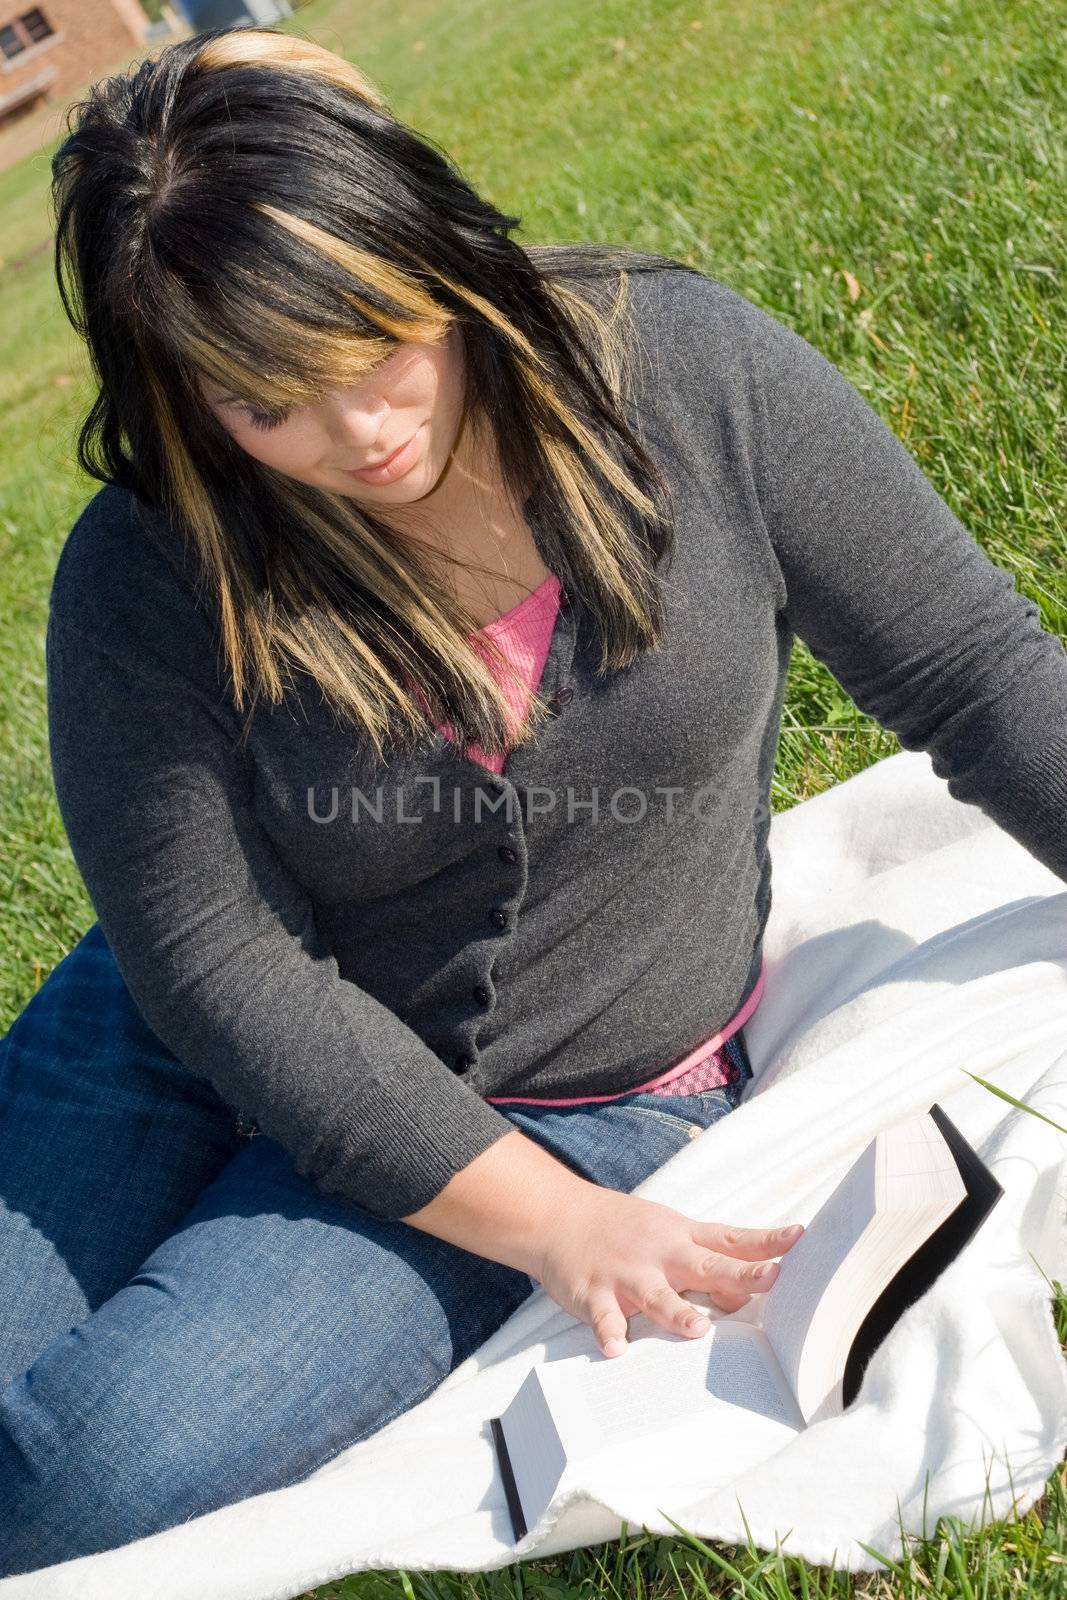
(498, 918)
(481, 994)
(506, 853)
(563, 696)
(463, 1062)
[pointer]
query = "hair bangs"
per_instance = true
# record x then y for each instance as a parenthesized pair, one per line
(328, 313)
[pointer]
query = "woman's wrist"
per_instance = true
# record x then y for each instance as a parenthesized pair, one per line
(504, 1204)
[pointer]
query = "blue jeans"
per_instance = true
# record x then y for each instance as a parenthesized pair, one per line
(185, 1320)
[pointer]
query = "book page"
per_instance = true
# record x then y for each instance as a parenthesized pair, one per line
(904, 1184)
(675, 1411)
(915, 1167)
(744, 1417)
(535, 1451)
(662, 1381)
(808, 1267)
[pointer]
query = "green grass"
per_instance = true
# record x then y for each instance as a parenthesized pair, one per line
(910, 150)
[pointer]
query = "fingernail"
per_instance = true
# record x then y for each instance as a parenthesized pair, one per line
(698, 1322)
(787, 1233)
(766, 1269)
(615, 1347)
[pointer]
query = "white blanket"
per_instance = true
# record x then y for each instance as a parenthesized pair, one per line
(911, 942)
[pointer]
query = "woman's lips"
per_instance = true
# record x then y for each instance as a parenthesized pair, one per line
(394, 466)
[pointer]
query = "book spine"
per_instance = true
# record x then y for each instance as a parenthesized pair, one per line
(511, 1490)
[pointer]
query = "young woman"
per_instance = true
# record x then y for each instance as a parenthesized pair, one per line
(414, 688)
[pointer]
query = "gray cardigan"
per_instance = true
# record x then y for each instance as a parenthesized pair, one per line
(356, 971)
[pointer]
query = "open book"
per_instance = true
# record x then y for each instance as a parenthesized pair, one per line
(900, 1214)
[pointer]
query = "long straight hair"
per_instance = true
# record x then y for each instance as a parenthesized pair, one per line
(246, 208)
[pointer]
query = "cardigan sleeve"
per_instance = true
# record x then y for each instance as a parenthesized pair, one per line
(890, 591)
(219, 946)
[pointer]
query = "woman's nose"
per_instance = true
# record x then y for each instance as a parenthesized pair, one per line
(354, 419)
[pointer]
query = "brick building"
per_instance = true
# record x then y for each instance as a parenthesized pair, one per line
(48, 51)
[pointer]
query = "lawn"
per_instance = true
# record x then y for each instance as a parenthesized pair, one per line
(885, 176)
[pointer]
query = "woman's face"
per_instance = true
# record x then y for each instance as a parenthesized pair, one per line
(415, 395)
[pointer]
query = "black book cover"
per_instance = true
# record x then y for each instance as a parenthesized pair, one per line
(921, 1270)
(518, 1521)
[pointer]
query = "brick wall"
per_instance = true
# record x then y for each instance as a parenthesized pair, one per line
(91, 39)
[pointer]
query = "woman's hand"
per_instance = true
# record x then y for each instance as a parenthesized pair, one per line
(614, 1254)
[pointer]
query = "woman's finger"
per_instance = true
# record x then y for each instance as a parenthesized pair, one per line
(663, 1305)
(746, 1244)
(605, 1318)
(726, 1300)
(712, 1272)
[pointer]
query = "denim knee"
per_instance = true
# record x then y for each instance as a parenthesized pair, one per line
(96, 1453)
(75, 1484)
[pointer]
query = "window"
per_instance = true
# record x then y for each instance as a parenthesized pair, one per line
(11, 42)
(36, 24)
(29, 29)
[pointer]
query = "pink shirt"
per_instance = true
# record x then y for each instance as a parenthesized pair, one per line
(524, 635)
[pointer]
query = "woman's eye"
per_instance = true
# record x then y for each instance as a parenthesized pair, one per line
(265, 419)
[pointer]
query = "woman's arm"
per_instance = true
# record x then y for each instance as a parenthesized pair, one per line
(506, 1203)
(219, 945)
(880, 579)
